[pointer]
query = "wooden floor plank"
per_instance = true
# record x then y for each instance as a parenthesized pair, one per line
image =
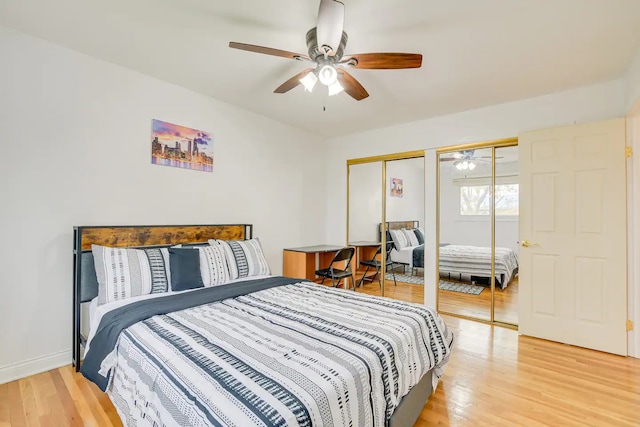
(16, 403)
(494, 378)
(68, 406)
(5, 408)
(29, 405)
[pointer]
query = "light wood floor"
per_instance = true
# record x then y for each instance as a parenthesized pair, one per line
(478, 306)
(495, 378)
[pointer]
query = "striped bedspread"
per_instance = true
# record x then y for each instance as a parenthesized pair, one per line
(476, 260)
(298, 354)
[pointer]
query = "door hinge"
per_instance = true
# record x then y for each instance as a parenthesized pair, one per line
(629, 325)
(628, 151)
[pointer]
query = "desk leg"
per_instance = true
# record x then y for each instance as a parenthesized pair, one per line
(299, 265)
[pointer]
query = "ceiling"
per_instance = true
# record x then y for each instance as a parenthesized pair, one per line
(476, 52)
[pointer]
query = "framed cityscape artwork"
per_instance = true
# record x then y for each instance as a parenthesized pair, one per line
(181, 147)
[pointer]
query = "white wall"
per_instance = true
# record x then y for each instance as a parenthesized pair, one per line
(75, 135)
(410, 206)
(632, 82)
(365, 202)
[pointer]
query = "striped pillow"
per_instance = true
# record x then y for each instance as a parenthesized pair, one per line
(399, 239)
(244, 257)
(125, 273)
(214, 267)
(411, 237)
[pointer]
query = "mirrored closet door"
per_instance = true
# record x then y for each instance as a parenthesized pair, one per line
(365, 212)
(465, 233)
(478, 231)
(506, 225)
(385, 215)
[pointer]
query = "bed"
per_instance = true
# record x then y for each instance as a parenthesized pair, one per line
(474, 261)
(250, 352)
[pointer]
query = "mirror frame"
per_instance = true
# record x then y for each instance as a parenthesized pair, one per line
(493, 144)
(384, 158)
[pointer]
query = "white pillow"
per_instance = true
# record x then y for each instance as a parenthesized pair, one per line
(125, 273)
(399, 239)
(214, 267)
(411, 237)
(244, 257)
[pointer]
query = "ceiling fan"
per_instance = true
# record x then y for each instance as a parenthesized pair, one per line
(464, 159)
(326, 43)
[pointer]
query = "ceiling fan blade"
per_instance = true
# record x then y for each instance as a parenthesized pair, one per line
(292, 82)
(269, 51)
(353, 88)
(383, 61)
(447, 159)
(330, 26)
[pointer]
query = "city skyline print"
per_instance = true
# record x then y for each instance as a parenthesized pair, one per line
(181, 147)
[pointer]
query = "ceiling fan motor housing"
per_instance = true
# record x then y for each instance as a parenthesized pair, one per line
(316, 54)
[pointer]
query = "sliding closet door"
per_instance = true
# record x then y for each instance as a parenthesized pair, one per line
(365, 216)
(404, 214)
(465, 233)
(506, 234)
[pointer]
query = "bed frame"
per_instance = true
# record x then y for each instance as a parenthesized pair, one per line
(85, 285)
(396, 225)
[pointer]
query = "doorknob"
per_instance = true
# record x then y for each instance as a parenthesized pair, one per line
(526, 243)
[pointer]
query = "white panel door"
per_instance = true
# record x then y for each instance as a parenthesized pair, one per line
(573, 255)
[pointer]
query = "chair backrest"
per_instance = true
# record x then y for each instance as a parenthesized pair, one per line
(390, 246)
(344, 254)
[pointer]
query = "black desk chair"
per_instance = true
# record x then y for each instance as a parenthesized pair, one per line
(333, 273)
(377, 264)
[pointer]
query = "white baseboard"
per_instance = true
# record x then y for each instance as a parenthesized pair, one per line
(34, 366)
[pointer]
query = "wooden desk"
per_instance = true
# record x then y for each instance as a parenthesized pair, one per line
(303, 262)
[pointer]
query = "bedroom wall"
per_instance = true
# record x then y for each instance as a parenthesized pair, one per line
(75, 135)
(410, 206)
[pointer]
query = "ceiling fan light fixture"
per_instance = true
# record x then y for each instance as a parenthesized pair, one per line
(335, 88)
(309, 81)
(328, 75)
(472, 166)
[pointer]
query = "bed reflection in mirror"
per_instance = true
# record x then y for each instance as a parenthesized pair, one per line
(465, 236)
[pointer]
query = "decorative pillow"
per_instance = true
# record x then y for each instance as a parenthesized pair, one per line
(419, 234)
(185, 268)
(244, 257)
(213, 265)
(411, 237)
(399, 239)
(125, 273)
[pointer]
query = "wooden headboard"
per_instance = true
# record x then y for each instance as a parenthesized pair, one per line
(397, 225)
(85, 285)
